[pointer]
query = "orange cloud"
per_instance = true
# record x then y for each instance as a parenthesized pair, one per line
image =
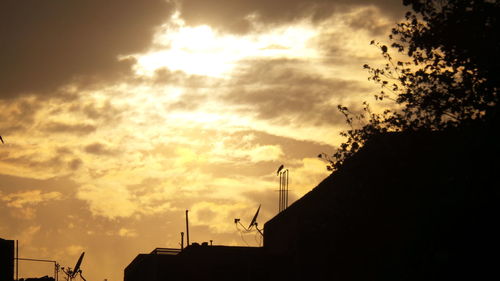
(29, 198)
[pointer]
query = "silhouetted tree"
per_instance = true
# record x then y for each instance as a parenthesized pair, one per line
(449, 80)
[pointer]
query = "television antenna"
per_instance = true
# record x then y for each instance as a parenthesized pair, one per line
(71, 273)
(283, 189)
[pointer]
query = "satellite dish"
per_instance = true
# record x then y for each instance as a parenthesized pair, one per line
(254, 220)
(77, 266)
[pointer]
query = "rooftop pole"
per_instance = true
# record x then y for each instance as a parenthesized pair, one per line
(182, 241)
(187, 228)
(17, 260)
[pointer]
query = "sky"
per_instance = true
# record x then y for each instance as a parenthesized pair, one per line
(118, 115)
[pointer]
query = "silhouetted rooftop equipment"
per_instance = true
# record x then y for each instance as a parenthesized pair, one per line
(187, 228)
(252, 224)
(254, 219)
(283, 188)
(182, 241)
(56, 266)
(165, 251)
(17, 259)
(71, 273)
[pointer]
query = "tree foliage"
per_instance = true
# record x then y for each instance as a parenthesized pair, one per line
(449, 79)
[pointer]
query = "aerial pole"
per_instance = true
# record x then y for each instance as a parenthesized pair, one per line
(17, 258)
(280, 196)
(182, 241)
(283, 188)
(187, 228)
(286, 190)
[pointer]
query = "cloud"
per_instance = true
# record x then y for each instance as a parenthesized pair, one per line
(266, 153)
(290, 92)
(109, 201)
(74, 250)
(103, 110)
(99, 149)
(369, 19)
(75, 164)
(25, 198)
(219, 217)
(48, 44)
(28, 234)
(238, 16)
(64, 128)
(121, 200)
(18, 115)
(125, 232)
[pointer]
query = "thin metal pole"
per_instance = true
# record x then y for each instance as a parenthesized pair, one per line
(24, 259)
(17, 260)
(56, 269)
(286, 193)
(283, 191)
(187, 228)
(279, 196)
(182, 241)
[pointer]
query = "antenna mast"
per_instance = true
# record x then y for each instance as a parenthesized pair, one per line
(187, 228)
(283, 189)
(182, 241)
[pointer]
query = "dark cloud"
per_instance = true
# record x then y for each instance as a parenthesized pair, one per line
(106, 112)
(369, 20)
(234, 15)
(11, 184)
(23, 157)
(284, 91)
(47, 44)
(29, 161)
(103, 112)
(78, 129)
(292, 148)
(75, 164)
(17, 115)
(99, 149)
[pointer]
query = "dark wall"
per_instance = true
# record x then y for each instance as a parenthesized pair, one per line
(418, 206)
(6, 260)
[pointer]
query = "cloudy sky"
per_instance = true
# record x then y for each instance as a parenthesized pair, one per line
(118, 115)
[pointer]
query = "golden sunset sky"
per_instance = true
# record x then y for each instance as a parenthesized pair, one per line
(118, 115)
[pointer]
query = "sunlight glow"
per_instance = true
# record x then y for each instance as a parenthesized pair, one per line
(202, 51)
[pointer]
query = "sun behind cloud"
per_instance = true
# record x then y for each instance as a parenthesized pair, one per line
(201, 50)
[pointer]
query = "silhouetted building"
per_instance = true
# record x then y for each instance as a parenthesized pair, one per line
(6, 260)
(407, 206)
(199, 262)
